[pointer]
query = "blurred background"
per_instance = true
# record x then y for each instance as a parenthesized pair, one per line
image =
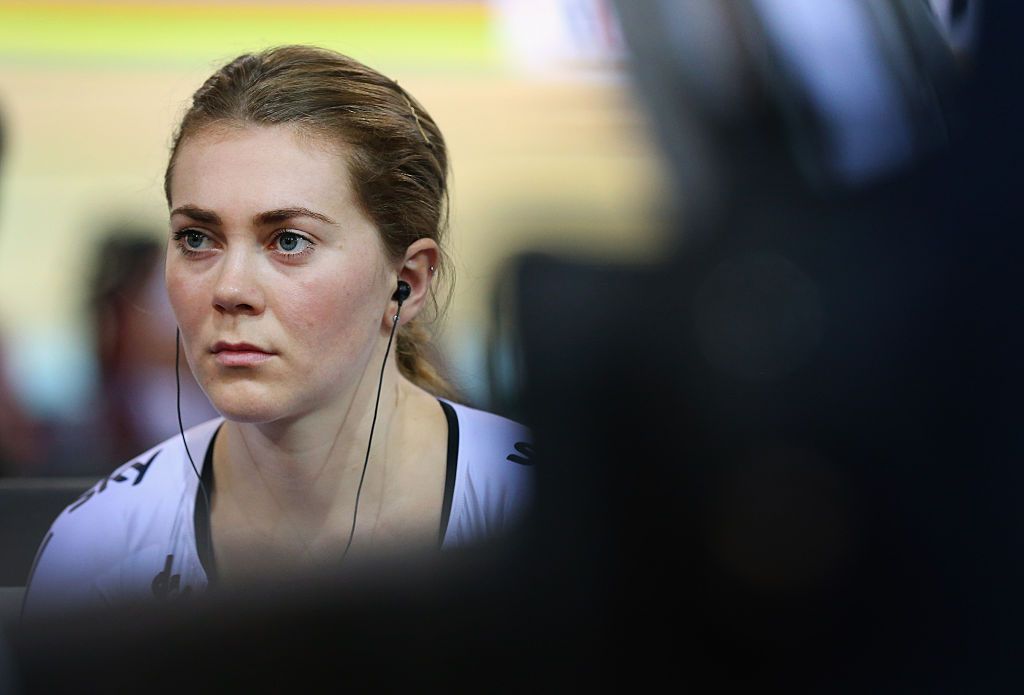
(531, 95)
(771, 362)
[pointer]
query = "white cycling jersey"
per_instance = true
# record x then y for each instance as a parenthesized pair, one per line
(132, 536)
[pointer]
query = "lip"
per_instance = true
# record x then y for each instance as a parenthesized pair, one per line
(239, 354)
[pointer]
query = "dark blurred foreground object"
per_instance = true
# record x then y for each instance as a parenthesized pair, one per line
(415, 625)
(794, 447)
(786, 458)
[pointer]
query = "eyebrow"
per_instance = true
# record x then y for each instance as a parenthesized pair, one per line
(269, 217)
(197, 214)
(288, 213)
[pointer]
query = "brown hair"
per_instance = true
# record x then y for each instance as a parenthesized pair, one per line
(398, 161)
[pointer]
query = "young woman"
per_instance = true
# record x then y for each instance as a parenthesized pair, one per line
(307, 198)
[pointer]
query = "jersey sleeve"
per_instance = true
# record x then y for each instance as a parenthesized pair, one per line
(84, 556)
(74, 557)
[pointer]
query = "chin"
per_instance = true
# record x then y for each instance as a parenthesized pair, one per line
(239, 403)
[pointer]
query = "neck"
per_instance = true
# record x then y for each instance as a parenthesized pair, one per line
(285, 496)
(307, 468)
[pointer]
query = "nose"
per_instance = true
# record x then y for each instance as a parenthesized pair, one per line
(238, 290)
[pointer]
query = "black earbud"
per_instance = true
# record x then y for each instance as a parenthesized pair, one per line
(403, 292)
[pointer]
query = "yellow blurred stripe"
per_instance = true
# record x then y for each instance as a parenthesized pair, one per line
(426, 34)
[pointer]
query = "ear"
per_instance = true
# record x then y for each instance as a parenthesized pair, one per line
(418, 269)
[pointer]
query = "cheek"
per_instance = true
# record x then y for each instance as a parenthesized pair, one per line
(332, 313)
(324, 309)
(185, 294)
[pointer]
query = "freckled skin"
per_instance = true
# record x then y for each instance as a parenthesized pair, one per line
(321, 312)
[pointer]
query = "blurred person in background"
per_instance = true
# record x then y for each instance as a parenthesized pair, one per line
(308, 198)
(21, 449)
(133, 333)
(134, 330)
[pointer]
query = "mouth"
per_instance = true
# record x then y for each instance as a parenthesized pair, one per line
(239, 354)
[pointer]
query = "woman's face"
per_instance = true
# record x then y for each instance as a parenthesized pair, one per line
(278, 280)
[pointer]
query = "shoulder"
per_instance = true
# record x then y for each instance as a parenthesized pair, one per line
(142, 481)
(493, 480)
(485, 438)
(90, 547)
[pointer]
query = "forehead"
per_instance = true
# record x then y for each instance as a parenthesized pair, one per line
(255, 168)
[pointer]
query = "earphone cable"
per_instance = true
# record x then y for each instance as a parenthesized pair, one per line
(373, 424)
(181, 430)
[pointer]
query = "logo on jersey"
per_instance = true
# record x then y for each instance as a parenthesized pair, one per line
(525, 450)
(138, 467)
(166, 585)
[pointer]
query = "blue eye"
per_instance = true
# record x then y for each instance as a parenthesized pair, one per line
(191, 241)
(292, 244)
